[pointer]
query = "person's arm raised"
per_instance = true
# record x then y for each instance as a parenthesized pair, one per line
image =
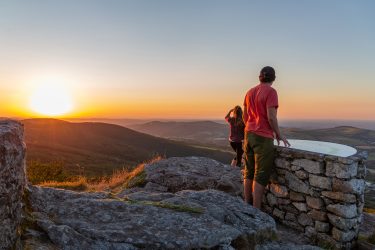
(272, 119)
(228, 115)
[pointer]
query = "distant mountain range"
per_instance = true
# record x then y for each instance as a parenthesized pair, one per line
(100, 147)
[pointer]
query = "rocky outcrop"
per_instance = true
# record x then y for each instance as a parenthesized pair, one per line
(182, 220)
(12, 181)
(194, 173)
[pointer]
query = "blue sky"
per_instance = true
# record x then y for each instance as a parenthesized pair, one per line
(192, 58)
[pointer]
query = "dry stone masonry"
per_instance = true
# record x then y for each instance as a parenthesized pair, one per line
(319, 195)
(12, 181)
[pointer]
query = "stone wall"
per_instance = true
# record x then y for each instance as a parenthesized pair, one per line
(12, 181)
(320, 195)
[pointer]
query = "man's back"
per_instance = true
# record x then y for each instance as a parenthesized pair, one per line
(257, 100)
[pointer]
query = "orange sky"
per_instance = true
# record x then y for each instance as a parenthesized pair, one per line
(190, 59)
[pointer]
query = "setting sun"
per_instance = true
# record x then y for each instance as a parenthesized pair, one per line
(51, 99)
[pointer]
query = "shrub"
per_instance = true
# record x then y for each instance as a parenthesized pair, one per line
(38, 172)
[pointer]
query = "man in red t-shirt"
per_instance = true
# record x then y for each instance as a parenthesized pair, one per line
(260, 117)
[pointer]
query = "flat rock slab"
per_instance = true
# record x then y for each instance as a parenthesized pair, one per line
(194, 173)
(182, 220)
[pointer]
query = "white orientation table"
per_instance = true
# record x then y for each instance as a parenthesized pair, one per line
(322, 147)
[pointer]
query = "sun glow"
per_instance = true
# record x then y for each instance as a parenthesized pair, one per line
(51, 99)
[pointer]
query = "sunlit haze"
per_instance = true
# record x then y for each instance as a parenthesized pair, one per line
(51, 99)
(185, 59)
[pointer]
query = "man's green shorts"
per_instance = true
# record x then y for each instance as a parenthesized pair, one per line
(259, 158)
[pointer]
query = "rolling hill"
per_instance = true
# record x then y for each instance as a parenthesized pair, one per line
(99, 147)
(201, 132)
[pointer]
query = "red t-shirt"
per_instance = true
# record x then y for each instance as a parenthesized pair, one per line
(257, 100)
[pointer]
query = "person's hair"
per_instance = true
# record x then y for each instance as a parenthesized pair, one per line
(239, 119)
(267, 74)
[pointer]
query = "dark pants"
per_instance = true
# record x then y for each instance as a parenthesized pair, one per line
(259, 158)
(237, 147)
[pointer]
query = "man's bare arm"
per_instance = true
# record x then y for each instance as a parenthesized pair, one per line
(245, 115)
(272, 119)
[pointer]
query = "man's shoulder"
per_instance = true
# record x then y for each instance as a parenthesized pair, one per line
(254, 88)
(270, 89)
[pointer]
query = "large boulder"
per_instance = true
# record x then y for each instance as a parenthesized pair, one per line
(182, 220)
(194, 173)
(12, 181)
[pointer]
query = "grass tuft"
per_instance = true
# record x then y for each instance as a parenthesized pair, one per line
(80, 184)
(118, 180)
(369, 210)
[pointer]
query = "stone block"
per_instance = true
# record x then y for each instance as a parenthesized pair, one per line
(294, 196)
(297, 154)
(281, 172)
(342, 223)
(343, 236)
(305, 220)
(313, 202)
(346, 211)
(346, 160)
(301, 174)
(313, 167)
(342, 171)
(296, 184)
(267, 209)
(293, 224)
(290, 216)
(310, 232)
(328, 201)
(301, 206)
(362, 197)
(339, 196)
(281, 179)
(354, 186)
(320, 182)
(278, 214)
(322, 227)
(317, 215)
(360, 207)
(271, 199)
(282, 163)
(362, 171)
(279, 190)
(330, 158)
(281, 201)
(290, 208)
(295, 168)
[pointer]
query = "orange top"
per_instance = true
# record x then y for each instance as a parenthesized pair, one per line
(256, 102)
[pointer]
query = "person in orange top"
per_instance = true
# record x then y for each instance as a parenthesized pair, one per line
(261, 127)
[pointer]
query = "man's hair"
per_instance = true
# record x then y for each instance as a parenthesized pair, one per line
(267, 74)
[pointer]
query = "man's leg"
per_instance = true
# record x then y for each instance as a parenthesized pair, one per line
(264, 161)
(248, 183)
(257, 194)
(248, 170)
